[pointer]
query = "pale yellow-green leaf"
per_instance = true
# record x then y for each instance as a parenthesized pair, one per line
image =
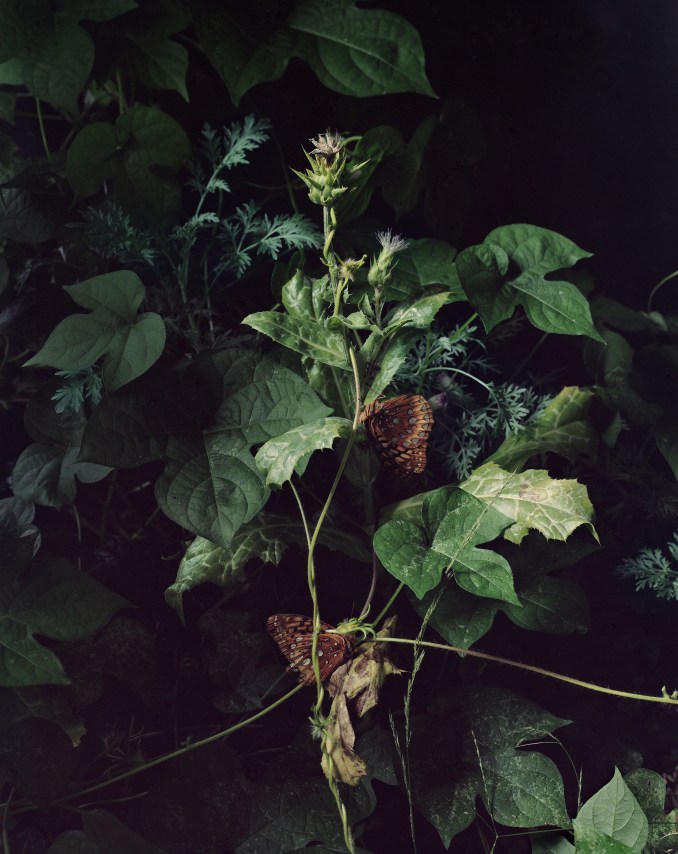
(534, 499)
(281, 456)
(562, 428)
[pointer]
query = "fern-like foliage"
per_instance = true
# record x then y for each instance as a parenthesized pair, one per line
(214, 239)
(247, 232)
(654, 569)
(112, 233)
(474, 414)
(77, 387)
(219, 151)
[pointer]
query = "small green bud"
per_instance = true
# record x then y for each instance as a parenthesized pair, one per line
(382, 266)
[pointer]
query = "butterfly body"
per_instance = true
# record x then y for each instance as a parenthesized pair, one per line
(294, 635)
(399, 429)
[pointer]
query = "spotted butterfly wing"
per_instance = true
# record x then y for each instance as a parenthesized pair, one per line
(399, 429)
(294, 635)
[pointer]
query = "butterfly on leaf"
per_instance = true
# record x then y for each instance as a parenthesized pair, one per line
(294, 635)
(398, 429)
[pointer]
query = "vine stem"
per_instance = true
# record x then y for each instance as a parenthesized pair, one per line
(43, 135)
(160, 760)
(387, 606)
(531, 668)
(318, 526)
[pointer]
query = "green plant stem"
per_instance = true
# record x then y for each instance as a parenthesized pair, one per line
(387, 606)
(43, 135)
(658, 286)
(316, 717)
(166, 758)
(5, 818)
(316, 533)
(531, 668)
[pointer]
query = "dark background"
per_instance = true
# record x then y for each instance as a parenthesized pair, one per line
(560, 114)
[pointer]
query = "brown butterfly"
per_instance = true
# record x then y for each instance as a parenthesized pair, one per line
(294, 635)
(399, 430)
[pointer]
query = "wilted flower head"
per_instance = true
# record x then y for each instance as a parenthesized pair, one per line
(328, 145)
(324, 178)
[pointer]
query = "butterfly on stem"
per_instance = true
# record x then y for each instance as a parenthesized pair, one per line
(294, 635)
(399, 429)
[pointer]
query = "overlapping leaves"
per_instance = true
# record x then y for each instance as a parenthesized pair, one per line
(509, 269)
(202, 419)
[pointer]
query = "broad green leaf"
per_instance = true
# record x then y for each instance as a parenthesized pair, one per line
(403, 549)
(562, 427)
(57, 66)
(26, 217)
(202, 420)
(465, 747)
(649, 789)
(550, 843)
(371, 149)
(533, 499)
(120, 293)
(103, 833)
(293, 805)
(482, 272)
(614, 811)
(46, 474)
(553, 605)
(620, 316)
(526, 789)
(94, 10)
(467, 523)
(459, 617)
(401, 177)
(134, 349)
(161, 64)
(560, 308)
(303, 336)
(241, 48)
(140, 154)
(90, 159)
(75, 343)
(45, 471)
(510, 268)
(197, 803)
(53, 599)
(19, 538)
(21, 26)
(210, 485)
(359, 52)
(282, 456)
(547, 604)
(424, 263)
(133, 343)
(7, 106)
(588, 840)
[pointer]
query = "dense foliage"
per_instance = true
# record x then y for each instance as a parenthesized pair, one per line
(194, 319)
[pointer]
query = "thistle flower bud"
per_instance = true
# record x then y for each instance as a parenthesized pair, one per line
(324, 178)
(382, 267)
